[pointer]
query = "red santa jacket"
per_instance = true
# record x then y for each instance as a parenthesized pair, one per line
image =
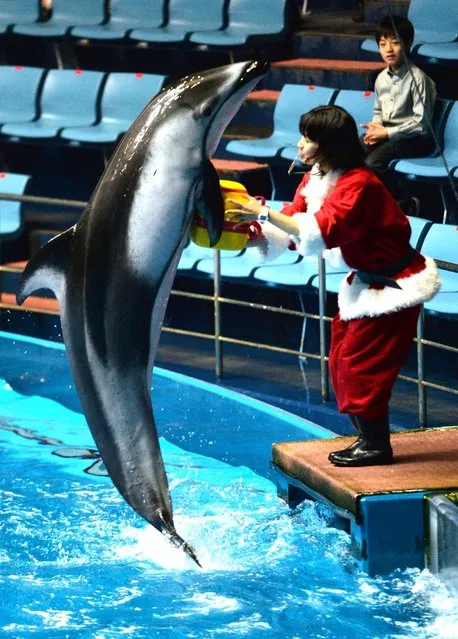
(353, 211)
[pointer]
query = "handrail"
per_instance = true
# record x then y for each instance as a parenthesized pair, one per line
(219, 339)
(38, 199)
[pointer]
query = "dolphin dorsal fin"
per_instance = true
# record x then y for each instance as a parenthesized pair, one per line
(48, 267)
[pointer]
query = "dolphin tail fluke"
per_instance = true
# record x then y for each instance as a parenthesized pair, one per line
(47, 268)
(178, 541)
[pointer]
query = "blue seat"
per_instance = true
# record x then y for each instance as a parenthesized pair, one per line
(432, 167)
(293, 101)
(441, 242)
(13, 11)
(359, 104)
(249, 21)
(439, 53)
(69, 98)
(435, 21)
(65, 14)
(124, 97)
(184, 16)
(19, 87)
(192, 254)
(11, 218)
(125, 15)
(233, 264)
(299, 272)
(419, 228)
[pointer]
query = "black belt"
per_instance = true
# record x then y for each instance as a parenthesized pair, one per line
(383, 276)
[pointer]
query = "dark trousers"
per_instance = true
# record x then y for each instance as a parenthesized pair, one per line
(379, 156)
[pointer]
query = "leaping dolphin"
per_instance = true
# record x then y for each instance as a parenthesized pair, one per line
(113, 271)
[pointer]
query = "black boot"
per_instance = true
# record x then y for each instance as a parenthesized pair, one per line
(353, 445)
(372, 446)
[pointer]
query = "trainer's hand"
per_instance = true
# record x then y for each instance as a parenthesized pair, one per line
(244, 212)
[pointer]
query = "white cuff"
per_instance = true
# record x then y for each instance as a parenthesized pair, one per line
(277, 243)
(310, 240)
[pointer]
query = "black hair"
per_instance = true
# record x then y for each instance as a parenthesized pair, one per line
(335, 132)
(396, 27)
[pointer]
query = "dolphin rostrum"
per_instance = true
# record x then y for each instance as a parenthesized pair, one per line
(113, 271)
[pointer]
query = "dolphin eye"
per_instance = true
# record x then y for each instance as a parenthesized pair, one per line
(207, 111)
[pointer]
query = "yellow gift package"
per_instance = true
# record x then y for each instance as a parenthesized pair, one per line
(232, 239)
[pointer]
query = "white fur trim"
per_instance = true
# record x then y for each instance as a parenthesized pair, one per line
(335, 259)
(310, 240)
(277, 242)
(318, 187)
(358, 300)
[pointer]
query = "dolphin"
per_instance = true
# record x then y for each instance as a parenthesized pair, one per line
(112, 272)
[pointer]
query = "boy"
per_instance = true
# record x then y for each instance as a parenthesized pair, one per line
(403, 108)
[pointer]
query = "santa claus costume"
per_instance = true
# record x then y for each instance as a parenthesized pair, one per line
(350, 216)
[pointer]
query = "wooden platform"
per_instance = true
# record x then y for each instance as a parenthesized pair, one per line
(425, 460)
(383, 508)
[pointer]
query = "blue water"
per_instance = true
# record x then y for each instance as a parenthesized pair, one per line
(76, 561)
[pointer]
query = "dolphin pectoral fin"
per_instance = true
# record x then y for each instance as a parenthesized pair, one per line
(48, 267)
(209, 202)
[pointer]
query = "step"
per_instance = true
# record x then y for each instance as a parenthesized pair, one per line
(257, 110)
(339, 74)
(253, 175)
(375, 10)
(332, 35)
(331, 46)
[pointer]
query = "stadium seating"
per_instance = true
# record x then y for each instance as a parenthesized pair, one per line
(11, 220)
(68, 98)
(433, 22)
(123, 98)
(13, 11)
(65, 14)
(184, 17)
(249, 21)
(293, 101)
(19, 88)
(125, 15)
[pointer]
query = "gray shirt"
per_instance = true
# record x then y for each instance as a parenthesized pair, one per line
(404, 101)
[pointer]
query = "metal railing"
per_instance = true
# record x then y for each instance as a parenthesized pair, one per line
(219, 339)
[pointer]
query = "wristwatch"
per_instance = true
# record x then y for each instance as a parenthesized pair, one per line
(264, 214)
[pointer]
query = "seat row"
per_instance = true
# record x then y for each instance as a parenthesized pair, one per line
(436, 30)
(295, 99)
(219, 22)
(75, 105)
(290, 270)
